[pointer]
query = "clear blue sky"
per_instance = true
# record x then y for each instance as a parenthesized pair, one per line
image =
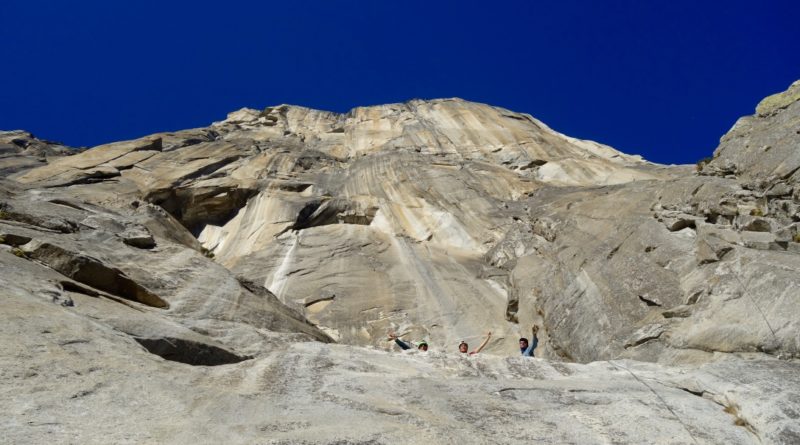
(664, 79)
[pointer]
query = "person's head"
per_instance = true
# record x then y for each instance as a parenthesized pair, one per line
(463, 347)
(523, 343)
(422, 346)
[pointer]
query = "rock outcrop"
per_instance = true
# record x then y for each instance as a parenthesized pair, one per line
(761, 150)
(20, 150)
(220, 262)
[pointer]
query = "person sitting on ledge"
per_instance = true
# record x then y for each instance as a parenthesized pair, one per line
(422, 346)
(463, 347)
(527, 349)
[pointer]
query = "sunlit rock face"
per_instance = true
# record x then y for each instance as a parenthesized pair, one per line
(248, 245)
(20, 150)
(761, 150)
(370, 221)
(444, 219)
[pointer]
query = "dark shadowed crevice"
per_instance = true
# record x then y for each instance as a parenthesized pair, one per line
(67, 203)
(13, 240)
(110, 279)
(297, 187)
(197, 207)
(189, 352)
(613, 252)
(532, 164)
(512, 306)
(712, 218)
(72, 286)
(698, 392)
(93, 273)
(306, 219)
(208, 170)
(649, 301)
(334, 211)
(92, 177)
(313, 301)
(682, 224)
(642, 340)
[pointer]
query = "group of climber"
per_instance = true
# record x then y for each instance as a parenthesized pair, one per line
(526, 347)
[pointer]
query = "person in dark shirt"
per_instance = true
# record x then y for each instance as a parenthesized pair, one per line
(422, 346)
(526, 348)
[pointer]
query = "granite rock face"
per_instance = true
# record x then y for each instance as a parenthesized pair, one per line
(220, 262)
(67, 368)
(406, 198)
(20, 150)
(761, 151)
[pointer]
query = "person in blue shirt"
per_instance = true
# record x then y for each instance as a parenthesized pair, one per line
(525, 347)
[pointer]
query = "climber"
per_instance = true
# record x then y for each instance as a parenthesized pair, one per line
(422, 346)
(463, 347)
(527, 349)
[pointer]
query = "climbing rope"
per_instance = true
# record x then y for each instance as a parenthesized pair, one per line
(746, 292)
(664, 402)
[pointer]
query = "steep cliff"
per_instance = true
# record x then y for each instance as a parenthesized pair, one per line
(213, 267)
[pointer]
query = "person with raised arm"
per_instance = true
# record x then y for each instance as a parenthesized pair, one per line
(526, 348)
(422, 346)
(463, 347)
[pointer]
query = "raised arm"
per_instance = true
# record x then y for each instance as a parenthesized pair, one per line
(480, 348)
(403, 345)
(533, 343)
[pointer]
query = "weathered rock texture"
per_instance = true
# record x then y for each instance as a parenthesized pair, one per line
(20, 150)
(197, 276)
(761, 150)
(376, 220)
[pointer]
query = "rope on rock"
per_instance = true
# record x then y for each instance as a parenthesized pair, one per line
(664, 402)
(746, 291)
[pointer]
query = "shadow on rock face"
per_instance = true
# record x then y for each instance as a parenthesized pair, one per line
(92, 272)
(190, 352)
